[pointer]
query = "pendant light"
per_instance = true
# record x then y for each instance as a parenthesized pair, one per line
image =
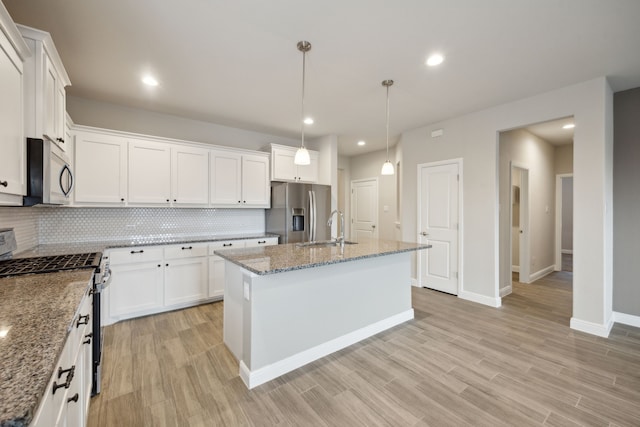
(302, 155)
(387, 167)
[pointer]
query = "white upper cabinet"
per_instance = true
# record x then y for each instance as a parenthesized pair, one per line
(283, 168)
(189, 176)
(149, 173)
(100, 169)
(44, 89)
(13, 51)
(239, 180)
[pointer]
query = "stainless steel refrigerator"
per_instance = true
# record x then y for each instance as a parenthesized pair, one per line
(299, 212)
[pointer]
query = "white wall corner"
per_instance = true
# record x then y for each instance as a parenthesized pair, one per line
(599, 329)
(626, 319)
(481, 299)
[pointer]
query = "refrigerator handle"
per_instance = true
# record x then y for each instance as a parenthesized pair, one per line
(312, 216)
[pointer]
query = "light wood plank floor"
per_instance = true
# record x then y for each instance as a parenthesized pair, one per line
(458, 363)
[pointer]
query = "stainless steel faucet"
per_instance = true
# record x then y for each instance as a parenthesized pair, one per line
(339, 239)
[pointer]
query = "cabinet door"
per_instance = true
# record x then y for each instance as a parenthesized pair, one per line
(60, 115)
(100, 169)
(282, 166)
(185, 281)
(226, 179)
(216, 277)
(189, 175)
(309, 173)
(50, 87)
(135, 289)
(12, 156)
(149, 172)
(255, 181)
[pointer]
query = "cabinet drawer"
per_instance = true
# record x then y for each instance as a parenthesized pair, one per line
(136, 254)
(228, 244)
(186, 250)
(265, 241)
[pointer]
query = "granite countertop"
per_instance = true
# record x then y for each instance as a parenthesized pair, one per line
(36, 313)
(83, 247)
(288, 257)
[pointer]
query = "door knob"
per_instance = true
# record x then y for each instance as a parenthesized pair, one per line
(373, 226)
(424, 233)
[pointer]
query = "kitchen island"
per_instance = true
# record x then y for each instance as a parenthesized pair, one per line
(287, 305)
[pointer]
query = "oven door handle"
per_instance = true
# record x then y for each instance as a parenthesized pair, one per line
(105, 281)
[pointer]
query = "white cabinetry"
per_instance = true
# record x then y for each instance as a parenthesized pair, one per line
(45, 96)
(13, 51)
(67, 396)
(185, 274)
(137, 285)
(239, 180)
(100, 169)
(189, 176)
(149, 173)
(283, 168)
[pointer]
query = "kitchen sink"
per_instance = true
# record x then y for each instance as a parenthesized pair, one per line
(323, 243)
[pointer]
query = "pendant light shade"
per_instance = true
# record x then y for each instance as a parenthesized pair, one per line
(302, 155)
(387, 167)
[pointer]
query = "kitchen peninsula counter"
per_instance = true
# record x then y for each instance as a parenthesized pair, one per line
(288, 305)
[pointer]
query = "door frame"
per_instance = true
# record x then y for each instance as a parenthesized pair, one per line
(558, 236)
(524, 238)
(377, 207)
(458, 161)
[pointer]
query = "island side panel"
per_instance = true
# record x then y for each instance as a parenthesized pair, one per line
(292, 312)
(232, 326)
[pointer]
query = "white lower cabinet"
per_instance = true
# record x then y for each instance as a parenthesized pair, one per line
(185, 275)
(153, 279)
(67, 396)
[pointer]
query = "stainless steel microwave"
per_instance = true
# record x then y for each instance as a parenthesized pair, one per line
(49, 176)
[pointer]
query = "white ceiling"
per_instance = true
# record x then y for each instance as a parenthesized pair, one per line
(553, 131)
(236, 62)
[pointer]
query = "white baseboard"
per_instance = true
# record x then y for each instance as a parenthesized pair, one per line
(567, 251)
(480, 299)
(599, 329)
(267, 373)
(541, 273)
(626, 319)
(506, 290)
(415, 282)
(515, 268)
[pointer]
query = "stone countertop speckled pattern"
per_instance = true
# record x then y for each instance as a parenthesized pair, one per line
(83, 247)
(288, 257)
(38, 310)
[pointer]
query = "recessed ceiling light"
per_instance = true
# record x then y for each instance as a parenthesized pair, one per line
(568, 126)
(149, 81)
(308, 121)
(435, 59)
(361, 143)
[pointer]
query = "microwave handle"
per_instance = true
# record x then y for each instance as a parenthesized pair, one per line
(66, 191)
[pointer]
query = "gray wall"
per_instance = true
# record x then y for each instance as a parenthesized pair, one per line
(626, 202)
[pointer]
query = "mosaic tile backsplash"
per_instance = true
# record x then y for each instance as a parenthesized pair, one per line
(60, 225)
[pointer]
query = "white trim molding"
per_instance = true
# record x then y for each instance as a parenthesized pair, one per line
(506, 291)
(626, 319)
(599, 329)
(541, 273)
(567, 251)
(481, 299)
(267, 373)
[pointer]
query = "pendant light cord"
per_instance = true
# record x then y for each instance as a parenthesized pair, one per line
(387, 123)
(304, 63)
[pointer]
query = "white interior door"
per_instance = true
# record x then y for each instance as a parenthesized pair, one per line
(438, 213)
(364, 209)
(521, 239)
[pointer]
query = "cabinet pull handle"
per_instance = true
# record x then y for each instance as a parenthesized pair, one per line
(122, 199)
(159, 265)
(167, 200)
(4, 183)
(186, 248)
(82, 320)
(60, 140)
(227, 244)
(138, 252)
(67, 383)
(73, 399)
(261, 242)
(87, 341)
